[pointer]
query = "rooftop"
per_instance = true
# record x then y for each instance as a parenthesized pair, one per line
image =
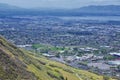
(115, 53)
(116, 62)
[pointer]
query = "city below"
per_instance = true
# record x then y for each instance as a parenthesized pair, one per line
(86, 43)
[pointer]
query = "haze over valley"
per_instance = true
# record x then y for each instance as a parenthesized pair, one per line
(58, 43)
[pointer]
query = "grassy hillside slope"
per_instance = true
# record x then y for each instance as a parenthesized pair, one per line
(18, 64)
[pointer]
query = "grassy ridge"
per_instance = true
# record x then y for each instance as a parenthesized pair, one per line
(24, 65)
(59, 71)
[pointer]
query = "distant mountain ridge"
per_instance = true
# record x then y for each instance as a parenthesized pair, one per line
(105, 8)
(7, 7)
(93, 10)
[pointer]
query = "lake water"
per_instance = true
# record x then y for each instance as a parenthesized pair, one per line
(101, 18)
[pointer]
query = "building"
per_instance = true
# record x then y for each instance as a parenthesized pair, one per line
(116, 62)
(116, 55)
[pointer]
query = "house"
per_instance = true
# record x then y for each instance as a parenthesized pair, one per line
(116, 55)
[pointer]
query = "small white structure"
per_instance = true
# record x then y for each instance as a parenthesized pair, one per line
(116, 62)
(115, 53)
(48, 55)
(23, 46)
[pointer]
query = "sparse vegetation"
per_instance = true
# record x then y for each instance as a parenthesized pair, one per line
(27, 66)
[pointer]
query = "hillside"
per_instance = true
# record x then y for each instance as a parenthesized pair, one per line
(6, 7)
(107, 10)
(18, 64)
(97, 9)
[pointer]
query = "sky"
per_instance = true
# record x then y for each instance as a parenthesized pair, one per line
(59, 3)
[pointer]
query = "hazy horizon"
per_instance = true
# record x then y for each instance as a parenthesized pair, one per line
(69, 4)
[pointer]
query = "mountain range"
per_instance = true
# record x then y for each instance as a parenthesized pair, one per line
(106, 10)
(7, 7)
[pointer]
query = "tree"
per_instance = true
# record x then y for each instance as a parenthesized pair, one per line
(106, 78)
(58, 55)
(118, 67)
